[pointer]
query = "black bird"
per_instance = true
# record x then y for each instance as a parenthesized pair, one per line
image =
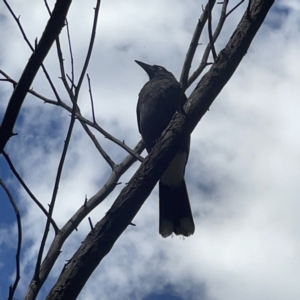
(159, 99)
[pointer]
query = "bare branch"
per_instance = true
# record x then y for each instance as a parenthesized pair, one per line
(194, 44)
(91, 97)
(47, 7)
(235, 7)
(98, 146)
(89, 52)
(61, 60)
(52, 30)
(101, 150)
(71, 53)
(17, 19)
(82, 121)
(91, 223)
(211, 40)
(13, 288)
(83, 211)
(62, 70)
(37, 202)
(55, 191)
(204, 62)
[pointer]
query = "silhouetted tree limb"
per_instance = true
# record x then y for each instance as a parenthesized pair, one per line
(75, 220)
(52, 30)
(13, 287)
(31, 195)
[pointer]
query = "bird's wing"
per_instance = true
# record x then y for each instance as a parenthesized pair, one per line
(138, 116)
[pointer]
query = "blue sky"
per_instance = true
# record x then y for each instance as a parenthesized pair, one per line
(243, 171)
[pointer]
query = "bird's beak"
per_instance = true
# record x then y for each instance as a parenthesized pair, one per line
(149, 69)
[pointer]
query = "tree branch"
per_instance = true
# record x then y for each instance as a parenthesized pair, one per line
(13, 288)
(36, 201)
(89, 52)
(52, 30)
(194, 44)
(210, 35)
(55, 191)
(82, 120)
(74, 222)
(71, 54)
(204, 62)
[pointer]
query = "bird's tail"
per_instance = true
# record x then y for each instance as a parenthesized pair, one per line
(175, 213)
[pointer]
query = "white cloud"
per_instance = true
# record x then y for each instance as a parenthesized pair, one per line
(244, 161)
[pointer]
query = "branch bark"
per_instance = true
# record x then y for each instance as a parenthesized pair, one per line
(106, 232)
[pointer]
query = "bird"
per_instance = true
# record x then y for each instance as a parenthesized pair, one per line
(158, 101)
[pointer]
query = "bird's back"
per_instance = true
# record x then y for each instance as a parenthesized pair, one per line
(159, 99)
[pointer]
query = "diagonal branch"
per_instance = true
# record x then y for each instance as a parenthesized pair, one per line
(210, 35)
(52, 30)
(31, 47)
(100, 149)
(91, 97)
(194, 44)
(82, 120)
(71, 53)
(90, 48)
(37, 202)
(82, 212)
(234, 8)
(204, 62)
(101, 240)
(55, 191)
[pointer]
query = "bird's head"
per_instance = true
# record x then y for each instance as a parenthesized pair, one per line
(154, 71)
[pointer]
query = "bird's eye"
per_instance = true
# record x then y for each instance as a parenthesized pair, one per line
(160, 68)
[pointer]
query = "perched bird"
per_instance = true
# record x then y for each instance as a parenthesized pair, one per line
(159, 99)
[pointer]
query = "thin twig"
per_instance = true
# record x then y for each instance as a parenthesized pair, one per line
(234, 8)
(70, 130)
(98, 146)
(82, 121)
(37, 202)
(193, 45)
(90, 48)
(62, 70)
(55, 191)
(91, 97)
(101, 150)
(91, 224)
(205, 56)
(71, 53)
(13, 288)
(47, 6)
(31, 91)
(210, 35)
(17, 19)
(60, 59)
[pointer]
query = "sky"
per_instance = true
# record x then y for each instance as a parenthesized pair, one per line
(243, 171)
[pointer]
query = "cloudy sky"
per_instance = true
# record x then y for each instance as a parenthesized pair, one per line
(243, 172)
